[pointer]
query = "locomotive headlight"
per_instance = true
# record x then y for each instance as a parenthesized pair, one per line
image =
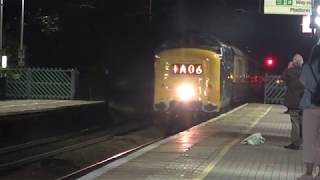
(185, 92)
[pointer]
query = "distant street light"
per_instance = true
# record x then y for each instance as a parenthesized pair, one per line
(21, 53)
(4, 62)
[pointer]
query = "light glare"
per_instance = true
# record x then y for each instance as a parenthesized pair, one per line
(185, 92)
(318, 10)
(306, 20)
(317, 20)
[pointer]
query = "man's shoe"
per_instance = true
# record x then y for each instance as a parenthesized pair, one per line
(292, 146)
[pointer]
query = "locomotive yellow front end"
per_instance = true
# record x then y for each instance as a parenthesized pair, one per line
(187, 79)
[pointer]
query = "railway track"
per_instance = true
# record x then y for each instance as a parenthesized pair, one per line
(75, 160)
(31, 144)
(16, 156)
(83, 171)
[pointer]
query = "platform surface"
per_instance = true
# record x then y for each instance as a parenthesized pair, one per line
(17, 107)
(213, 151)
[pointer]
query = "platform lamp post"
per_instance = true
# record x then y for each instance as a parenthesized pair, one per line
(3, 58)
(21, 53)
(2, 74)
(150, 10)
(1, 27)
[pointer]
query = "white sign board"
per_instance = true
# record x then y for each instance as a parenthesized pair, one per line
(288, 7)
(306, 24)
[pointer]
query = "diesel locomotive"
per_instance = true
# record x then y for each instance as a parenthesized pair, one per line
(197, 74)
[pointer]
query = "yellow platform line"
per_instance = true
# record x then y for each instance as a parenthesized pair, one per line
(227, 148)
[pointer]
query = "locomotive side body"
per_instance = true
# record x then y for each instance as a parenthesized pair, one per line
(240, 80)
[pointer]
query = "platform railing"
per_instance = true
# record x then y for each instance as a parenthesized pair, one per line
(274, 90)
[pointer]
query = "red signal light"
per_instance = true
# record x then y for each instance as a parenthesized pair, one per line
(269, 62)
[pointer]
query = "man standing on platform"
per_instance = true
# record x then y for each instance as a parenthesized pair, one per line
(292, 99)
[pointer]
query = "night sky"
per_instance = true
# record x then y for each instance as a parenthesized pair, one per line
(94, 35)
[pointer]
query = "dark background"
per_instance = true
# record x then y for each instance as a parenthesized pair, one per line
(121, 37)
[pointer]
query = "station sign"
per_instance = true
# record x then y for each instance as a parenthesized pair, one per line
(288, 7)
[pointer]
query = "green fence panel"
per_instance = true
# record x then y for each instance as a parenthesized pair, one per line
(41, 83)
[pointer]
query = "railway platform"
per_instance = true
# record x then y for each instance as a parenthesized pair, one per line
(19, 107)
(212, 150)
(27, 120)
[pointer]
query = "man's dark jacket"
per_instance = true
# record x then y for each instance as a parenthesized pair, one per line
(295, 87)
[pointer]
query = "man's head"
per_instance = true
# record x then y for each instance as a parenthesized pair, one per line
(297, 60)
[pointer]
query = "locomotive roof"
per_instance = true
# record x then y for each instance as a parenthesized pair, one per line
(197, 40)
(192, 40)
(237, 51)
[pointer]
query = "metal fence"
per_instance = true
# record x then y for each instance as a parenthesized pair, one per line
(41, 83)
(273, 90)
